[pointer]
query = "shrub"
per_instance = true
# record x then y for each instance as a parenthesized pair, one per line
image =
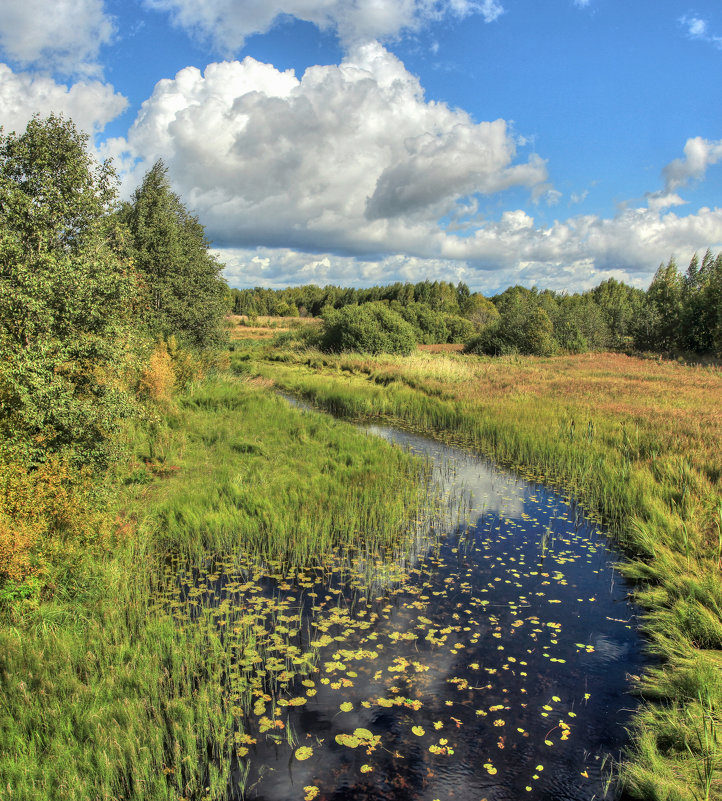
(371, 328)
(460, 329)
(157, 379)
(42, 511)
(429, 325)
(523, 327)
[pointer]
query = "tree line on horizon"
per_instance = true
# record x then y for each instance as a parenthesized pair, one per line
(680, 312)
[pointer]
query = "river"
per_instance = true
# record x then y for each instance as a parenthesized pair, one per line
(492, 660)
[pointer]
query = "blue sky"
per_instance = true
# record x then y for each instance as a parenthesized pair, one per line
(367, 141)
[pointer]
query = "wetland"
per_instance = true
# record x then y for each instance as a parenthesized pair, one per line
(492, 656)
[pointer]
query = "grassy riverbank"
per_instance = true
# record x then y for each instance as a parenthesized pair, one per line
(639, 442)
(107, 690)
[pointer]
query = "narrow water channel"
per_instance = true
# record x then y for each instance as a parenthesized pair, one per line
(493, 662)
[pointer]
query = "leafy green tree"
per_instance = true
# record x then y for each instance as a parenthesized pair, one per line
(370, 328)
(184, 290)
(524, 326)
(580, 324)
(429, 325)
(623, 308)
(460, 329)
(480, 310)
(713, 306)
(699, 315)
(665, 296)
(66, 298)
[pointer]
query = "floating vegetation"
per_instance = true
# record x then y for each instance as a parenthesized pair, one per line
(474, 663)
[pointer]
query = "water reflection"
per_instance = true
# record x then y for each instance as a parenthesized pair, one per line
(491, 663)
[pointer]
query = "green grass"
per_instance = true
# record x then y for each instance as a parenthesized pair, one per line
(107, 690)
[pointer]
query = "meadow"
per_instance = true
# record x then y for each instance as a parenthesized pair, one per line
(173, 655)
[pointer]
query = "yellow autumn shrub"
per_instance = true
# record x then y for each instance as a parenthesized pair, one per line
(41, 510)
(158, 377)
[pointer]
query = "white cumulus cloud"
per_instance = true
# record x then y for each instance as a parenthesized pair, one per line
(699, 154)
(634, 241)
(349, 175)
(349, 157)
(227, 23)
(89, 103)
(282, 267)
(65, 35)
(571, 255)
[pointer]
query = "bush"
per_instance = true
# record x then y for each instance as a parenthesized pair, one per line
(429, 325)
(157, 378)
(371, 328)
(460, 329)
(523, 327)
(42, 510)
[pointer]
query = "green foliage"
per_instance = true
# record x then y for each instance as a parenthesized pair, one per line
(580, 324)
(665, 298)
(429, 326)
(684, 311)
(371, 328)
(460, 329)
(185, 294)
(624, 309)
(309, 300)
(702, 306)
(433, 327)
(678, 313)
(480, 310)
(66, 296)
(523, 327)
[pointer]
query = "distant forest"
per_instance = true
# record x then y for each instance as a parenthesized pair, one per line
(680, 312)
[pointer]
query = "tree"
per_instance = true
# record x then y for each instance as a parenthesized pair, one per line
(698, 316)
(665, 296)
(579, 324)
(66, 298)
(429, 325)
(524, 326)
(623, 309)
(711, 317)
(480, 310)
(184, 290)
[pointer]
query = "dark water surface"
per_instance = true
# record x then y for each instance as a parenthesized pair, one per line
(492, 662)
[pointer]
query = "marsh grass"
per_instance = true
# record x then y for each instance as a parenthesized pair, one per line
(118, 685)
(638, 442)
